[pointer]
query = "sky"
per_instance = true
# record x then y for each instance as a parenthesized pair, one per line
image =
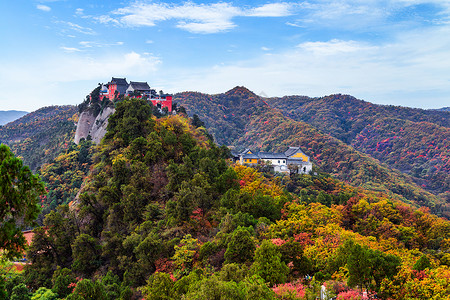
(397, 52)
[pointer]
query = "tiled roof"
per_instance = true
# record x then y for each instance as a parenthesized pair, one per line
(235, 154)
(119, 81)
(292, 150)
(140, 86)
(271, 155)
(254, 156)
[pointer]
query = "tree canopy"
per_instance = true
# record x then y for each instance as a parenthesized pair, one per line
(20, 192)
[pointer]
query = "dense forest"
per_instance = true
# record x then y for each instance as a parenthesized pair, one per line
(40, 136)
(164, 214)
(414, 141)
(340, 134)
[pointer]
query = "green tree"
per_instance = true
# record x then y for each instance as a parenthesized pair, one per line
(184, 255)
(51, 247)
(86, 254)
(241, 246)
(159, 287)
(422, 263)
(87, 289)
(367, 267)
(20, 192)
(20, 292)
(268, 264)
(196, 122)
(44, 293)
(61, 280)
(131, 120)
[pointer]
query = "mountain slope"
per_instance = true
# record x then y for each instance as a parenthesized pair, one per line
(344, 116)
(163, 215)
(251, 122)
(10, 115)
(225, 115)
(41, 135)
(414, 141)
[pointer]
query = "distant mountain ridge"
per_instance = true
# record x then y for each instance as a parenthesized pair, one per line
(241, 119)
(401, 151)
(7, 116)
(41, 135)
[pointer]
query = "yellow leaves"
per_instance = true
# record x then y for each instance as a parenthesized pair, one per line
(409, 284)
(175, 123)
(74, 118)
(180, 125)
(252, 181)
(118, 158)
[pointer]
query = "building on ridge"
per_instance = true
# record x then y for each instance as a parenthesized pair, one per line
(114, 88)
(139, 88)
(119, 87)
(292, 160)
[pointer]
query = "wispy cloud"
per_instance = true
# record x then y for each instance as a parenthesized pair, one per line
(195, 18)
(71, 49)
(43, 7)
(365, 16)
(50, 78)
(92, 44)
(76, 27)
(271, 10)
(413, 66)
(335, 46)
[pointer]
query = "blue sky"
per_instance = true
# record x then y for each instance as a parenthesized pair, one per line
(54, 52)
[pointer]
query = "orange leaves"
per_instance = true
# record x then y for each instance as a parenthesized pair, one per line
(252, 181)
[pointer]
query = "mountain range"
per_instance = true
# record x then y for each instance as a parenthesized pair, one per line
(157, 210)
(7, 116)
(41, 135)
(399, 150)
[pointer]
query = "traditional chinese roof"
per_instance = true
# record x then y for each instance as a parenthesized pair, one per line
(119, 81)
(253, 156)
(271, 155)
(292, 150)
(139, 86)
(235, 153)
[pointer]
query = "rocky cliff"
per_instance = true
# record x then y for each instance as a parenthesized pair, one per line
(95, 126)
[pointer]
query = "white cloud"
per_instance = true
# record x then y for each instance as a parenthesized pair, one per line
(387, 16)
(75, 27)
(412, 70)
(43, 7)
(70, 49)
(335, 46)
(68, 78)
(271, 10)
(265, 49)
(91, 44)
(192, 17)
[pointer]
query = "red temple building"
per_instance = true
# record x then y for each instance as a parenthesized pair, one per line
(120, 87)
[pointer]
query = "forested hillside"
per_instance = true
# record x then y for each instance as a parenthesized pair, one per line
(444, 109)
(225, 115)
(414, 141)
(165, 215)
(40, 136)
(249, 121)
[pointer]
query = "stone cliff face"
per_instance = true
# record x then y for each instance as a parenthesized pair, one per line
(88, 124)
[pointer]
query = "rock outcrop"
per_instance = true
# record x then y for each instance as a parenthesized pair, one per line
(88, 124)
